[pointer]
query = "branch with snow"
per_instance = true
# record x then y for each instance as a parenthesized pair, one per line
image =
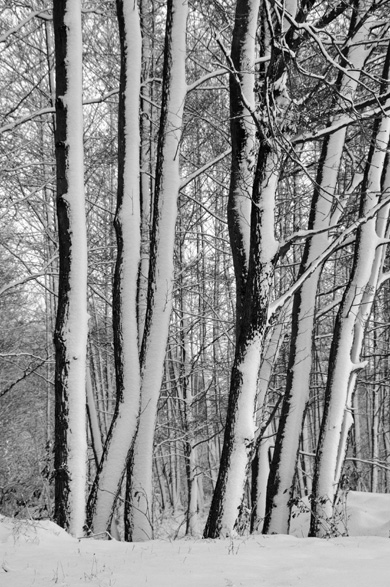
(51, 110)
(338, 242)
(27, 372)
(22, 23)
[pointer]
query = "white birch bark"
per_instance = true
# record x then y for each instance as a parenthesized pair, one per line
(127, 222)
(349, 333)
(281, 482)
(161, 268)
(72, 318)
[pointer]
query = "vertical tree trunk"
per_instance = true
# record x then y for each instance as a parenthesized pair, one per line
(186, 408)
(127, 224)
(159, 303)
(375, 439)
(146, 158)
(71, 329)
(242, 82)
(243, 131)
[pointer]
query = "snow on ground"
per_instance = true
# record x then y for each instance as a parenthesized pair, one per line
(40, 554)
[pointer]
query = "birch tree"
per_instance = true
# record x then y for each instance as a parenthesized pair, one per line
(71, 328)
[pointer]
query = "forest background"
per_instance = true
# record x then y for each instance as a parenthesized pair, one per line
(238, 328)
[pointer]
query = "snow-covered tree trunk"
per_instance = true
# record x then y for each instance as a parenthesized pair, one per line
(127, 224)
(146, 158)
(355, 308)
(240, 425)
(71, 330)
(243, 131)
(159, 303)
(242, 128)
(186, 408)
(263, 248)
(93, 419)
(282, 475)
(260, 463)
(260, 468)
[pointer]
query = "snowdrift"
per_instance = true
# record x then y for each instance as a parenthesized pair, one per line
(360, 514)
(40, 554)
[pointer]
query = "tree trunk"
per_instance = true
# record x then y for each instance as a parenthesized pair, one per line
(71, 331)
(146, 157)
(242, 130)
(240, 426)
(159, 303)
(261, 463)
(127, 223)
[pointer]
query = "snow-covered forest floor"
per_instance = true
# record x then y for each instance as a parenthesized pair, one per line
(39, 553)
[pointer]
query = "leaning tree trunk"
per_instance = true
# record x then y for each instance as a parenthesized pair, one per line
(352, 318)
(283, 467)
(127, 224)
(71, 331)
(161, 271)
